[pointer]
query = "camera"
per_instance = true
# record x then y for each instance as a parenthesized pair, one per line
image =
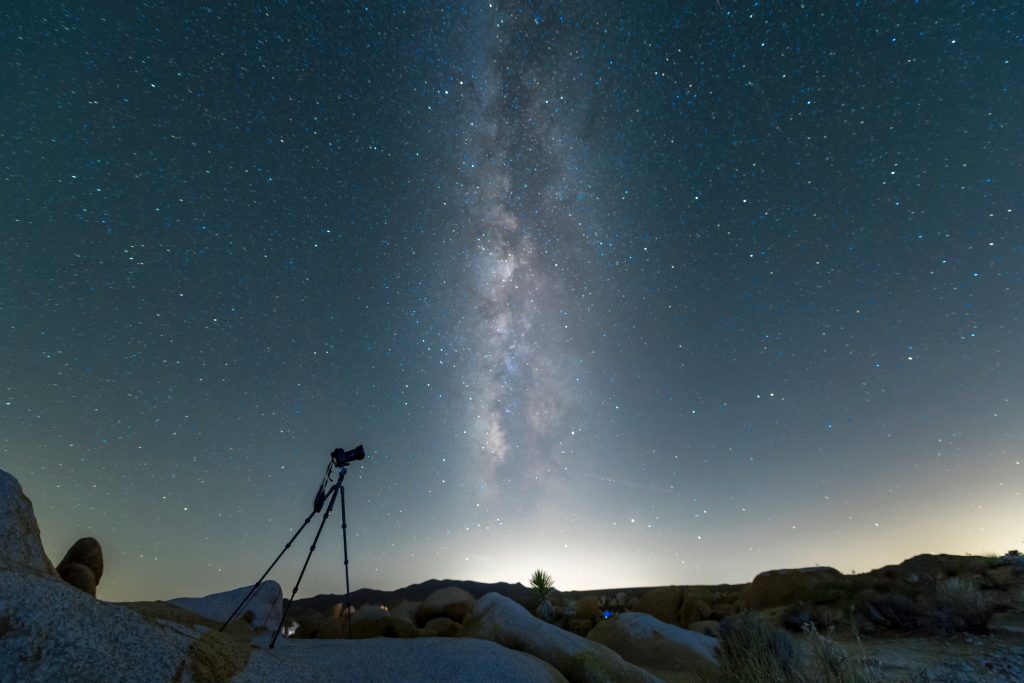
(341, 457)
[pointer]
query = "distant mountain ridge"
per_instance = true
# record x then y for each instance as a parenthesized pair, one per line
(924, 564)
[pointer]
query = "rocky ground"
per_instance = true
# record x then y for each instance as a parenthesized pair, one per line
(932, 618)
(954, 659)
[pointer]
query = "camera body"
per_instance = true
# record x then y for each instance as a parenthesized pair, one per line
(340, 457)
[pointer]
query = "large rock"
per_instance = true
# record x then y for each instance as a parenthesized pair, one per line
(338, 610)
(20, 547)
(693, 609)
(388, 659)
(499, 619)
(369, 621)
(262, 611)
(662, 603)
(82, 565)
(452, 602)
(646, 641)
(406, 610)
(784, 586)
(51, 631)
(589, 607)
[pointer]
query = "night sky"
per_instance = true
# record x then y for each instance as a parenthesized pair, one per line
(639, 294)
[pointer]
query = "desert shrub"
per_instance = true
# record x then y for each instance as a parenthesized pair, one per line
(822, 617)
(828, 617)
(795, 617)
(892, 610)
(831, 663)
(751, 649)
(962, 605)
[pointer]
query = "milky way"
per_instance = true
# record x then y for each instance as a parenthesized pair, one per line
(517, 168)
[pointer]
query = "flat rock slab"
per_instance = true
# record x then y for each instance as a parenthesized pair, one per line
(383, 660)
(265, 605)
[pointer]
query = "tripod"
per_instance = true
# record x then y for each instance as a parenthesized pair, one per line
(339, 461)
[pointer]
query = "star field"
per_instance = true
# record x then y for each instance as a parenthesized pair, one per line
(663, 294)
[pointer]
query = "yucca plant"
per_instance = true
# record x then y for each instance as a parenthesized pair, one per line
(544, 586)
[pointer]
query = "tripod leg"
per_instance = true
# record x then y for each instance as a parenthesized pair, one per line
(344, 541)
(260, 582)
(327, 513)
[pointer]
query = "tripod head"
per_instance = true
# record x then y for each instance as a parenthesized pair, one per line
(340, 459)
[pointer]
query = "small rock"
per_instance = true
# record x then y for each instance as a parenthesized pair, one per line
(662, 603)
(79, 576)
(85, 551)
